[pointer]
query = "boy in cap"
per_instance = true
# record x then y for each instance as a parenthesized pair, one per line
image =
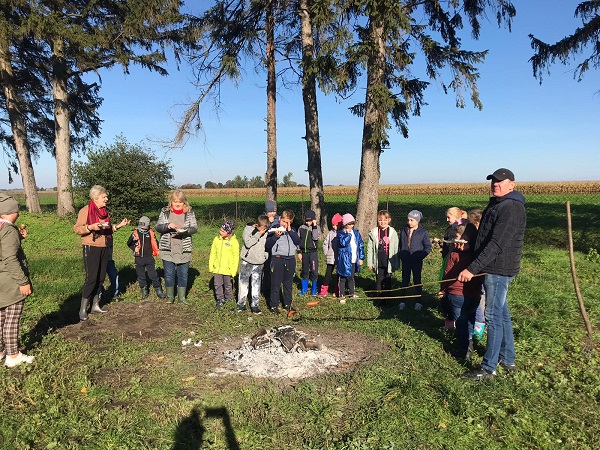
(224, 262)
(145, 247)
(309, 233)
(15, 285)
(415, 245)
(253, 257)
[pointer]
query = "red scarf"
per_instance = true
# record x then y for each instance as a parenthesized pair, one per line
(177, 211)
(96, 215)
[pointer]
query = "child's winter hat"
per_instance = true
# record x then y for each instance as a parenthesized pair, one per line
(336, 219)
(8, 205)
(415, 214)
(227, 227)
(144, 223)
(270, 206)
(310, 214)
(347, 218)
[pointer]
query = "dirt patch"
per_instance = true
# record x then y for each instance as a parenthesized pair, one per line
(323, 350)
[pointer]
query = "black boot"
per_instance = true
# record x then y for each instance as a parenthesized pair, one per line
(96, 305)
(159, 292)
(181, 295)
(145, 292)
(170, 294)
(83, 309)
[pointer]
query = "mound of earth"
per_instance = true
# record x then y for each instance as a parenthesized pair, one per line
(322, 350)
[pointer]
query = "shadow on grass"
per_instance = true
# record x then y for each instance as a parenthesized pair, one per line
(189, 434)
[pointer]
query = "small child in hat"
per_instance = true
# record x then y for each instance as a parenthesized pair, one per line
(145, 247)
(330, 250)
(351, 253)
(224, 262)
(415, 245)
(309, 233)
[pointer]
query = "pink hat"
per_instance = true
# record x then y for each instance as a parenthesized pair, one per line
(347, 218)
(336, 219)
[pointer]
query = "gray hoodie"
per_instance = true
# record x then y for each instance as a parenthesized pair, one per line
(253, 251)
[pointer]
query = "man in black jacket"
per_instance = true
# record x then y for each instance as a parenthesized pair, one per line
(498, 250)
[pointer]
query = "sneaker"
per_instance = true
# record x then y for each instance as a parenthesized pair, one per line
(479, 374)
(241, 309)
(220, 303)
(342, 300)
(274, 309)
(508, 368)
(401, 306)
(255, 310)
(20, 358)
(478, 330)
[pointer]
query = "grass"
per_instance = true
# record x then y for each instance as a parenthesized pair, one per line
(118, 392)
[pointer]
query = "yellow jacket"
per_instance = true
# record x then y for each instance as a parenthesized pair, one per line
(224, 256)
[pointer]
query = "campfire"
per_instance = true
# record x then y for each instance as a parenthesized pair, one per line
(281, 352)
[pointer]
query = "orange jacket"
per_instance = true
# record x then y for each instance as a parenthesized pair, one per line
(138, 244)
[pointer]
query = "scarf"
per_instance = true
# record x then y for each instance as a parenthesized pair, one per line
(96, 215)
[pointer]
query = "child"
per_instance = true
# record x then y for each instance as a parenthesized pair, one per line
(14, 281)
(224, 262)
(253, 257)
(330, 250)
(351, 252)
(414, 247)
(145, 247)
(309, 233)
(282, 244)
(382, 254)
(454, 217)
(463, 297)
(474, 218)
(271, 213)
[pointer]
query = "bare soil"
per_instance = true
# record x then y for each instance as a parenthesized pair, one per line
(148, 321)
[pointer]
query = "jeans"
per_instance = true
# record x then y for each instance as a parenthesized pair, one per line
(113, 276)
(463, 312)
(500, 340)
(172, 270)
(250, 276)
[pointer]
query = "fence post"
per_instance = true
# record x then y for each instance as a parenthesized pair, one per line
(236, 206)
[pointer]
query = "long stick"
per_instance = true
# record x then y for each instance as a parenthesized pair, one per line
(586, 320)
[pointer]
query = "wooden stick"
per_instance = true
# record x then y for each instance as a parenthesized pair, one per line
(586, 320)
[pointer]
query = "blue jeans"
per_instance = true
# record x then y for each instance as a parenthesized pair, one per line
(113, 276)
(173, 270)
(463, 312)
(500, 340)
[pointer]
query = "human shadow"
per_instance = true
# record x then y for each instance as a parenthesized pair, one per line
(189, 434)
(67, 314)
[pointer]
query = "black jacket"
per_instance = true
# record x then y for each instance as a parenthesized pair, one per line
(499, 244)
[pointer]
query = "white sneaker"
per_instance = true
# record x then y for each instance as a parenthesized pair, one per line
(19, 359)
(401, 306)
(342, 300)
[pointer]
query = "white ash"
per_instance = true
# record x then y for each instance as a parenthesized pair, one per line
(268, 358)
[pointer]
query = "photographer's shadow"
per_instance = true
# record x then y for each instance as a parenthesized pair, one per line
(189, 434)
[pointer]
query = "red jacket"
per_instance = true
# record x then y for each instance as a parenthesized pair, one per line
(457, 262)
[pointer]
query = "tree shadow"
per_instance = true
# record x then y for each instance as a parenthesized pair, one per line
(189, 434)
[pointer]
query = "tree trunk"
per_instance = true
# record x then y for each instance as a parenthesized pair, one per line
(17, 123)
(271, 173)
(311, 116)
(62, 134)
(373, 132)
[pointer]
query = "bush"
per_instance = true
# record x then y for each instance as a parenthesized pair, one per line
(135, 179)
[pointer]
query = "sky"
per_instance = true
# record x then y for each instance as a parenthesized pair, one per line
(542, 132)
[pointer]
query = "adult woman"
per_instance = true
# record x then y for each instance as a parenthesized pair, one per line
(176, 224)
(15, 285)
(96, 230)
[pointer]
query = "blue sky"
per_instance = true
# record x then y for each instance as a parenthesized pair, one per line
(546, 132)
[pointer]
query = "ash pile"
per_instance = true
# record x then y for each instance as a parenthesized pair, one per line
(282, 352)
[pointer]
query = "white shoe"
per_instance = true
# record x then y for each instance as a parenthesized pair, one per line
(19, 359)
(342, 301)
(401, 306)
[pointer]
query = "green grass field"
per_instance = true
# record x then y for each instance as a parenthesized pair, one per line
(94, 386)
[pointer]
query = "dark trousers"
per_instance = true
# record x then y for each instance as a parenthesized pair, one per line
(342, 281)
(328, 274)
(310, 266)
(414, 267)
(282, 272)
(383, 280)
(143, 265)
(94, 260)
(223, 287)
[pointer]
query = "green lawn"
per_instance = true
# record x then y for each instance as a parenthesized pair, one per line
(114, 391)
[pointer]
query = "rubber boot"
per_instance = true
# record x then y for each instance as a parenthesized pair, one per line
(170, 294)
(83, 309)
(304, 288)
(96, 305)
(159, 292)
(145, 292)
(324, 291)
(181, 295)
(314, 289)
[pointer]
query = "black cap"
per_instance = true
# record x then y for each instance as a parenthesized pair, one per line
(501, 175)
(310, 214)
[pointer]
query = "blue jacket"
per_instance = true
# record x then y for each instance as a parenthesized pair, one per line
(420, 244)
(344, 260)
